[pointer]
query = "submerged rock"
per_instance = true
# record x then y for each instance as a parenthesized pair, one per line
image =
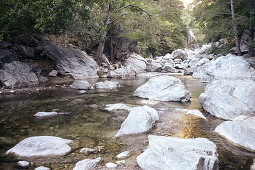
(225, 67)
(118, 106)
(123, 155)
(81, 85)
(194, 112)
(45, 114)
(111, 165)
(169, 153)
(41, 146)
(163, 88)
(17, 74)
(42, 168)
(87, 164)
(228, 99)
(73, 62)
(140, 119)
(107, 85)
(240, 132)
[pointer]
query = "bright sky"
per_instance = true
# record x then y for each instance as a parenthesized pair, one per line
(186, 2)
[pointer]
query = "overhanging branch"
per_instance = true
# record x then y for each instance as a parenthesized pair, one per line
(128, 6)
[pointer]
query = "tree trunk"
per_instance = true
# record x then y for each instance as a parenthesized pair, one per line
(252, 31)
(235, 28)
(100, 49)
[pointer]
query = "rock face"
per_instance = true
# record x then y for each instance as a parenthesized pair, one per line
(240, 132)
(229, 99)
(81, 85)
(225, 67)
(107, 85)
(87, 164)
(41, 146)
(140, 119)
(70, 61)
(133, 65)
(17, 74)
(163, 88)
(169, 153)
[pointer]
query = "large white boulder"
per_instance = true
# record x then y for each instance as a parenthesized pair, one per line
(240, 132)
(163, 88)
(87, 164)
(225, 67)
(81, 85)
(169, 153)
(229, 99)
(41, 146)
(179, 54)
(140, 119)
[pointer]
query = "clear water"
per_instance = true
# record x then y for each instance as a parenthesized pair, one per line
(88, 124)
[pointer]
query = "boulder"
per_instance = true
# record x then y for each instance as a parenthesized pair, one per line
(87, 164)
(244, 50)
(7, 56)
(73, 62)
(17, 74)
(107, 85)
(240, 132)
(81, 85)
(123, 155)
(225, 67)
(140, 119)
(5, 45)
(41, 146)
(53, 73)
(154, 66)
(179, 54)
(168, 68)
(228, 99)
(133, 65)
(163, 88)
(26, 52)
(23, 164)
(169, 153)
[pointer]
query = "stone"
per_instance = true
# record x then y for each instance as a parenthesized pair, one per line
(41, 146)
(244, 50)
(133, 65)
(23, 164)
(45, 114)
(87, 151)
(169, 153)
(117, 106)
(194, 112)
(87, 164)
(179, 54)
(53, 73)
(228, 99)
(111, 165)
(168, 68)
(225, 67)
(7, 56)
(121, 162)
(26, 52)
(163, 88)
(82, 91)
(140, 119)
(123, 155)
(240, 132)
(42, 168)
(17, 74)
(42, 79)
(154, 66)
(107, 85)
(73, 62)
(81, 85)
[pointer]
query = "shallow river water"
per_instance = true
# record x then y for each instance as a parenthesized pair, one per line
(88, 124)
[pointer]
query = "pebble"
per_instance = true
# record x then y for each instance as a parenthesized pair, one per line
(12, 91)
(123, 155)
(82, 91)
(23, 163)
(110, 165)
(121, 162)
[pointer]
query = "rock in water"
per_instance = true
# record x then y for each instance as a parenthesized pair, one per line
(225, 67)
(87, 164)
(117, 106)
(107, 85)
(41, 146)
(169, 153)
(228, 99)
(42, 168)
(140, 119)
(45, 114)
(240, 132)
(123, 155)
(163, 88)
(70, 61)
(17, 74)
(24, 164)
(111, 165)
(81, 85)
